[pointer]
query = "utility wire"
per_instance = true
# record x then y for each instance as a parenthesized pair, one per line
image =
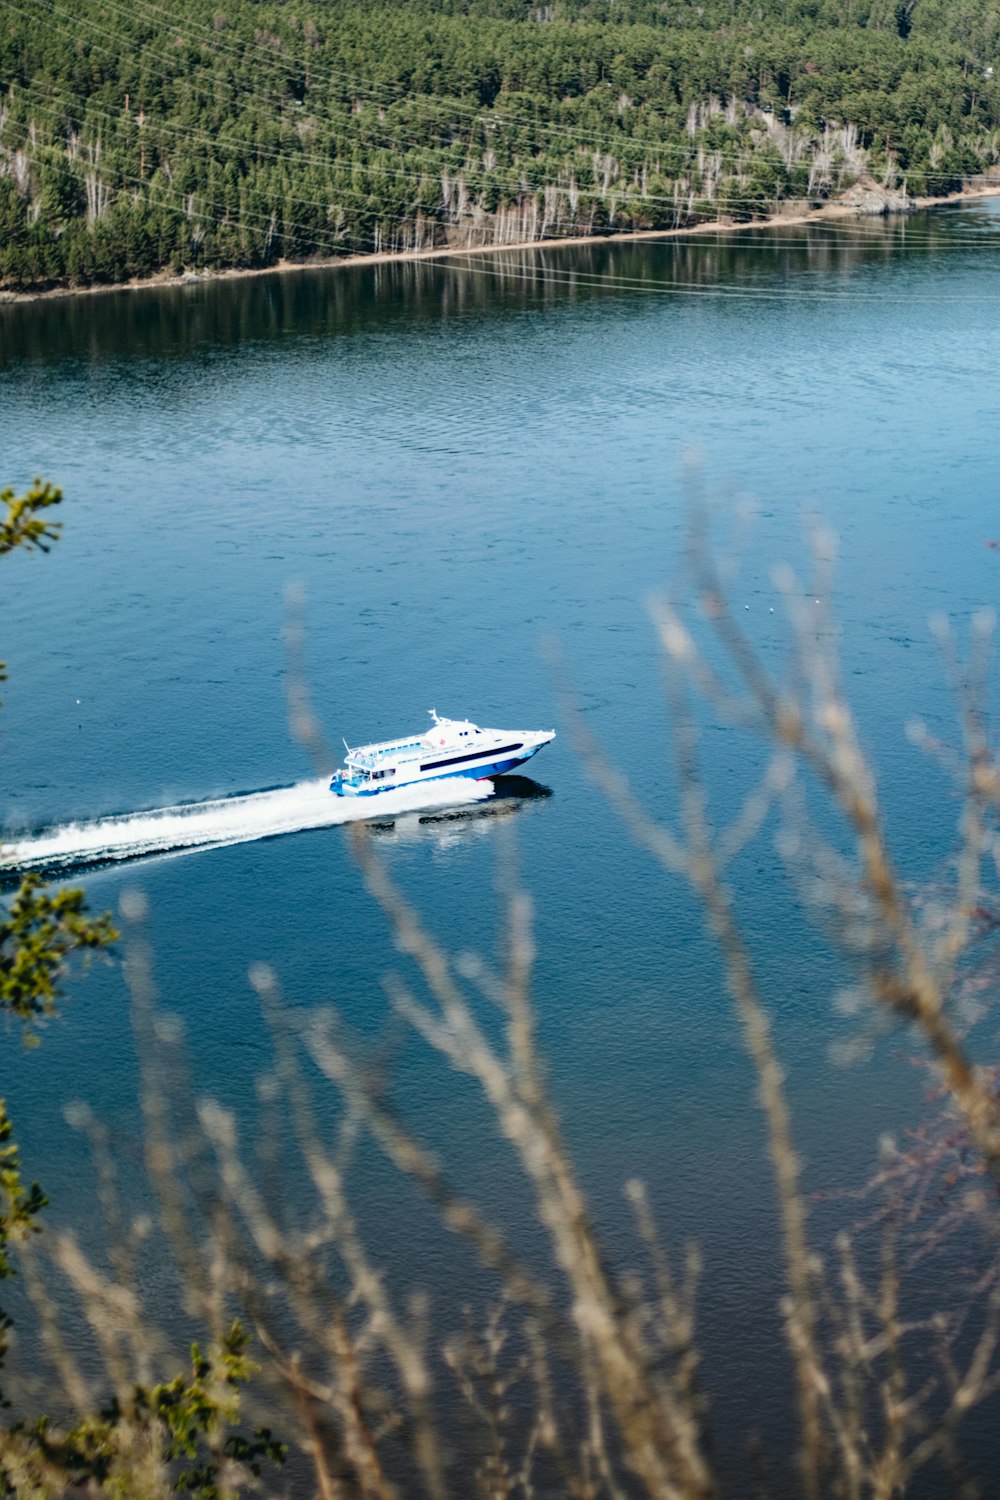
(211, 143)
(466, 263)
(490, 118)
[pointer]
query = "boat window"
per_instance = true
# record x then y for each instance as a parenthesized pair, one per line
(454, 760)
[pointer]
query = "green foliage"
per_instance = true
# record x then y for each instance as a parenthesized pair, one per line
(189, 1417)
(22, 525)
(210, 133)
(20, 1205)
(38, 933)
(19, 1210)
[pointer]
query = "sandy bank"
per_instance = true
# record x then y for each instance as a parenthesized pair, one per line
(788, 216)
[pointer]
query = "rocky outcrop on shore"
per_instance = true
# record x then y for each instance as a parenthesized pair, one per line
(867, 197)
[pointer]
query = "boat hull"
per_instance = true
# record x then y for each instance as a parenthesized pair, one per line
(486, 772)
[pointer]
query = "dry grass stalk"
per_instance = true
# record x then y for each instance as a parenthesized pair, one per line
(354, 1377)
(817, 726)
(808, 726)
(660, 1431)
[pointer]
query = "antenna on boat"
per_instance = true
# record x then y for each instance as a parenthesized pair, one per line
(346, 745)
(434, 715)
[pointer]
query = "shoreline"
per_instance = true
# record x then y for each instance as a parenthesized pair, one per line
(828, 212)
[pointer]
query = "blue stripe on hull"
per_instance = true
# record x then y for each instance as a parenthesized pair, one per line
(477, 773)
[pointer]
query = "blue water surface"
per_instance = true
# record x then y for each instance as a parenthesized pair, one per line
(459, 462)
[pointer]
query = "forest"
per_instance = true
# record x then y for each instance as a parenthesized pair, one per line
(201, 134)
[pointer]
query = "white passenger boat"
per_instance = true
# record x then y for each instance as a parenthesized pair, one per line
(451, 747)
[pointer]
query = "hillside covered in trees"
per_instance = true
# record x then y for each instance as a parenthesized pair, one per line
(136, 137)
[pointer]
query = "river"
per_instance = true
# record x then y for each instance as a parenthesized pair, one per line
(459, 462)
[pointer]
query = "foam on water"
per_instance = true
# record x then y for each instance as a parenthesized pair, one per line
(229, 820)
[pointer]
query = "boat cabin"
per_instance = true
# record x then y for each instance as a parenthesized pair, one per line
(450, 734)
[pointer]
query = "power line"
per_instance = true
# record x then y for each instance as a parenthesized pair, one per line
(425, 178)
(278, 153)
(572, 136)
(619, 192)
(571, 278)
(521, 187)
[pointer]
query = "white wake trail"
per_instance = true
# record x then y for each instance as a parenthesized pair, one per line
(230, 820)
